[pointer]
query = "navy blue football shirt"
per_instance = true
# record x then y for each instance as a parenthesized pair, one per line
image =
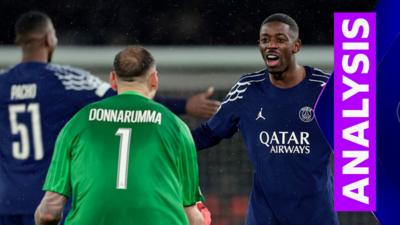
(292, 181)
(36, 100)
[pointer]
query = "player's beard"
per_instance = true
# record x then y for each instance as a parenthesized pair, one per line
(279, 75)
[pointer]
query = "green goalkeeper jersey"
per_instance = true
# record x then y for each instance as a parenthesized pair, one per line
(125, 160)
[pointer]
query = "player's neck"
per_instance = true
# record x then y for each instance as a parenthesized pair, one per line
(40, 55)
(138, 88)
(290, 78)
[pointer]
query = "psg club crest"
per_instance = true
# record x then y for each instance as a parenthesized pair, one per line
(306, 114)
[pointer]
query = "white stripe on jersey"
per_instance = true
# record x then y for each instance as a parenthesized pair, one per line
(3, 71)
(78, 80)
(323, 72)
(241, 86)
(319, 75)
(259, 73)
(319, 81)
(74, 82)
(102, 89)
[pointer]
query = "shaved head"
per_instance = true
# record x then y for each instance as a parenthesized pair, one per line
(283, 18)
(31, 26)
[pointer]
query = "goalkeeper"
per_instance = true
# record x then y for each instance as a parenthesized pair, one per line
(125, 159)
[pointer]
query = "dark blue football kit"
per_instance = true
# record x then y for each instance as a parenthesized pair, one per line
(292, 183)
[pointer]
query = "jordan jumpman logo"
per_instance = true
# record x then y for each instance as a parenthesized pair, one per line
(260, 115)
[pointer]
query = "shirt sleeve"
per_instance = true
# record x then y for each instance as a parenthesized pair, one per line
(94, 90)
(81, 87)
(58, 176)
(176, 105)
(188, 168)
(223, 124)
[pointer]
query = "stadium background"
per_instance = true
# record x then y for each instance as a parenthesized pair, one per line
(196, 44)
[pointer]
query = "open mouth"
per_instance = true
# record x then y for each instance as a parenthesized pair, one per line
(272, 60)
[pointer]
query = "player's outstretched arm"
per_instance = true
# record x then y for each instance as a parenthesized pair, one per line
(204, 138)
(223, 124)
(201, 106)
(197, 106)
(50, 209)
(194, 215)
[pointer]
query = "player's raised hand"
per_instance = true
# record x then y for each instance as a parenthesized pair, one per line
(201, 106)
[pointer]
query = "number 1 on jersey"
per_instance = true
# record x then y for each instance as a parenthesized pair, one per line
(123, 159)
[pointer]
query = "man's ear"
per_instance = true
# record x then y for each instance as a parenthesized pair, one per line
(154, 79)
(112, 79)
(296, 46)
(153, 84)
(49, 40)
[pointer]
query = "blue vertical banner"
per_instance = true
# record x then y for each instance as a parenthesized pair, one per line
(388, 123)
(387, 111)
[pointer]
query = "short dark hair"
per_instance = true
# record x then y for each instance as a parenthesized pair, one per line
(132, 62)
(29, 23)
(283, 18)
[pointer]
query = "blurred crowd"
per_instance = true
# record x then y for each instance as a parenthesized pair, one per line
(171, 22)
